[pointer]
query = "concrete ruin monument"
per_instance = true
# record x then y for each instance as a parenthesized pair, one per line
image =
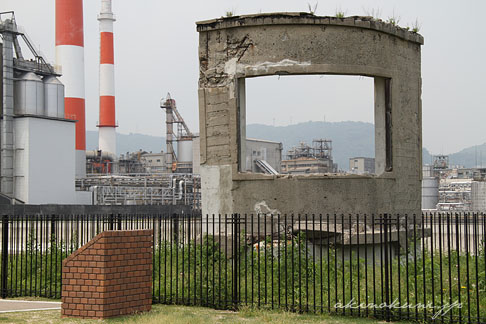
(235, 48)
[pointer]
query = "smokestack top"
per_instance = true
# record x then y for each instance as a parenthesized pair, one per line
(106, 12)
(106, 6)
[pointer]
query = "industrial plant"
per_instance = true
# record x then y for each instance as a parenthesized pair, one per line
(146, 178)
(304, 159)
(453, 188)
(44, 121)
(43, 108)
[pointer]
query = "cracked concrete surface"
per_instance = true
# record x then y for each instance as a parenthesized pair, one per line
(234, 48)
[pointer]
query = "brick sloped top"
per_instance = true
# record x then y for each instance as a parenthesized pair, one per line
(103, 235)
(111, 275)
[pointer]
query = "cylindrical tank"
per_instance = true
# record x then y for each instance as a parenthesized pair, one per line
(29, 95)
(53, 97)
(478, 195)
(427, 171)
(430, 193)
(184, 150)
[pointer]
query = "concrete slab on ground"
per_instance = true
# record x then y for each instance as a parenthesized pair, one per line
(9, 305)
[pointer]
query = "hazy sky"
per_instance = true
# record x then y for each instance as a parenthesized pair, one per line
(156, 52)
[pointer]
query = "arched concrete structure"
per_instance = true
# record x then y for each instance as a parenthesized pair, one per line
(232, 49)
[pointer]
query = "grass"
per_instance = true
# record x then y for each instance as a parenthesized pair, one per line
(187, 315)
(293, 277)
(199, 273)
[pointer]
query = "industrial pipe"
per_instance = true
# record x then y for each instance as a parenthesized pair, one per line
(181, 183)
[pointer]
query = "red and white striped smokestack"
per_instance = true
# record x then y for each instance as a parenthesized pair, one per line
(70, 57)
(107, 124)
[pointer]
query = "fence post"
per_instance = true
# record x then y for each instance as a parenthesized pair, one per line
(4, 255)
(175, 224)
(387, 279)
(119, 221)
(110, 222)
(235, 261)
(53, 237)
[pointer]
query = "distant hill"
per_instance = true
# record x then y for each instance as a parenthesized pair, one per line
(426, 156)
(129, 142)
(349, 139)
(470, 157)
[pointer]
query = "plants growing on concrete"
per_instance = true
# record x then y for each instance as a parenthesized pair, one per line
(416, 26)
(312, 9)
(340, 14)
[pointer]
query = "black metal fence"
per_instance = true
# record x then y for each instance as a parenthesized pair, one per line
(429, 267)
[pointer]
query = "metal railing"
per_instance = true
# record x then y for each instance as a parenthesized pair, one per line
(429, 267)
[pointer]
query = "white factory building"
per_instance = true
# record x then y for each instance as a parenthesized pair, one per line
(44, 154)
(37, 141)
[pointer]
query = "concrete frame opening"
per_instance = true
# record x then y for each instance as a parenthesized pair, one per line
(235, 48)
(383, 159)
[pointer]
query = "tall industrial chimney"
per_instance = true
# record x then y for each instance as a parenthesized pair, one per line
(107, 124)
(70, 57)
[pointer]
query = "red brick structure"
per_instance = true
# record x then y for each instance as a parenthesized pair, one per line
(109, 276)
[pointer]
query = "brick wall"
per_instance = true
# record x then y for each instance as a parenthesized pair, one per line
(111, 275)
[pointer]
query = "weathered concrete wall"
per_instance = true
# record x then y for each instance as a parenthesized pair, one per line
(232, 49)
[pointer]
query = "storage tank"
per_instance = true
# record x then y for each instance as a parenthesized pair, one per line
(430, 193)
(29, 95)
(53, 97)
(184, 150)
(478, 196)
(427, 171)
